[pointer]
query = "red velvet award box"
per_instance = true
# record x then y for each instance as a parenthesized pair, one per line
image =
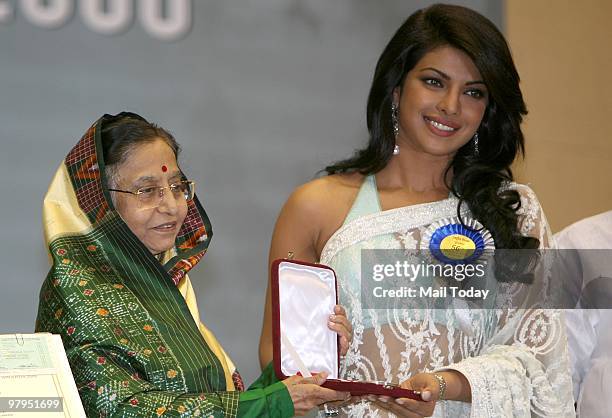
(303, 297)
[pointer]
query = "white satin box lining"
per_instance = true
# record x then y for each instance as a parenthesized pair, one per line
(307, 296)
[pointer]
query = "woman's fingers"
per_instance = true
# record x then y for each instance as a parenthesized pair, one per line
(391, 405)
(306, 393)
(344, 346)
(425, 383)
(339, 323)
(339, 310)
(341, 314)
(345, 336)
(426, 395)
(422, 408)
(324, 395)
(317, 379)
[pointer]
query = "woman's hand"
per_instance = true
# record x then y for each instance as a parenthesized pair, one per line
(425, 383)
(339, 322)
(456, 388)
(307, 393)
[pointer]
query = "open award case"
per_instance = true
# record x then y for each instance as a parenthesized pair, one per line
(303, 297)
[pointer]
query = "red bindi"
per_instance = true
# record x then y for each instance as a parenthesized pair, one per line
(164, 168)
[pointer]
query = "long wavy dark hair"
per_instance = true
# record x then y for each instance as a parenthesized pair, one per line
(477, 177)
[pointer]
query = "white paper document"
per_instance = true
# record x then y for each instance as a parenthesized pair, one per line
(35, 378)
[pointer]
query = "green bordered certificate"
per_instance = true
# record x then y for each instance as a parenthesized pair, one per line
(35, 378)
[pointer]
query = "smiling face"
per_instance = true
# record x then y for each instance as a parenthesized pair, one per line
(441, 103)
(156, 227)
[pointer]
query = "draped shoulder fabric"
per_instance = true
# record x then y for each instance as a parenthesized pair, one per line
(590, 330)
(129, 323)
(516, 361)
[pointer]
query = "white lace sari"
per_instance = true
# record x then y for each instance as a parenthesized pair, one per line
(515, 360)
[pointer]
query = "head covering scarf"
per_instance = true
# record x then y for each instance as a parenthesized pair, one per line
(133, 344)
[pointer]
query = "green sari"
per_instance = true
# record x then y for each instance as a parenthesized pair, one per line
(129, 323)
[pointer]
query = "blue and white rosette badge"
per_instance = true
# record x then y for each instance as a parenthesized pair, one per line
(452, 242)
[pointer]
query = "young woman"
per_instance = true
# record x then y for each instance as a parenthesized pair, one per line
(443, 114)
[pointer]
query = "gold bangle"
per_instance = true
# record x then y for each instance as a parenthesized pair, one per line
(441, 386)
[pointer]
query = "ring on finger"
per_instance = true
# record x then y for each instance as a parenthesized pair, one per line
(330, 410)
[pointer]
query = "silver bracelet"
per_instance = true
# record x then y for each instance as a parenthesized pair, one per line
(441, 386)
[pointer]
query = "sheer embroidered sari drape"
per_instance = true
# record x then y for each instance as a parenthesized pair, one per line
(515, 360)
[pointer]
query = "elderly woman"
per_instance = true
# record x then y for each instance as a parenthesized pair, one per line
(123, 228)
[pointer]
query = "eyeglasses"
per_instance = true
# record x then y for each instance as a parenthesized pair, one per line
(151, 196)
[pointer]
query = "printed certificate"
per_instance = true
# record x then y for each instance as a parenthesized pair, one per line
(35, 377)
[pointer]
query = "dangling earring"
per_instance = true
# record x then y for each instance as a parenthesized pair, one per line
(395, 122)
(475, 144)
(394, 118)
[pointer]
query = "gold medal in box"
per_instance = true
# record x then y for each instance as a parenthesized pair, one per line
(454, 242)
